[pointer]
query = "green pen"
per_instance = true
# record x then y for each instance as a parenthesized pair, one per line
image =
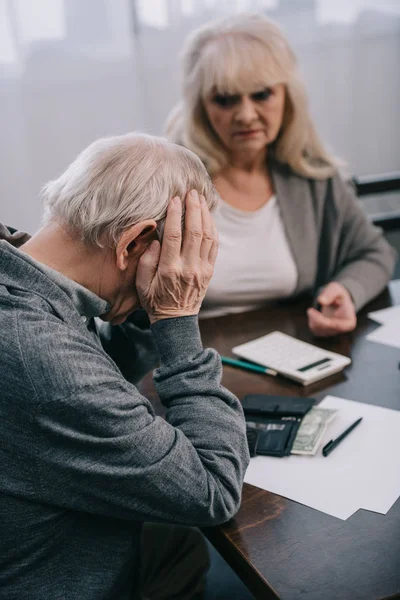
(248, 366)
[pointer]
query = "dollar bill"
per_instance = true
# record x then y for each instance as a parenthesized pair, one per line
(312, 430)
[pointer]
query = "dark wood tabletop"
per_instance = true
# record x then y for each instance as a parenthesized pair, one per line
(282, 549)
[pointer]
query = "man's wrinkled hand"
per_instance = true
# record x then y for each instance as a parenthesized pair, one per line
(172, 278)
(337, 313)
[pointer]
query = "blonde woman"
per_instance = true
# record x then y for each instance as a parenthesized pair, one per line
(288, 223)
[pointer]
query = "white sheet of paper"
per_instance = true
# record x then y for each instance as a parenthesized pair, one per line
(362, 472)
(292, 479)
(388, 334)
(372, 457)
(386, 315)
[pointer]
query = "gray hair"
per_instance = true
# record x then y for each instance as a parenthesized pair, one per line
(238, 54)
(119, 181)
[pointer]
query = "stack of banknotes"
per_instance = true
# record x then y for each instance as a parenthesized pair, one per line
(312, 430)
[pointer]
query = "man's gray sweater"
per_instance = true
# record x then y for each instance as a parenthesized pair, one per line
(83, 458)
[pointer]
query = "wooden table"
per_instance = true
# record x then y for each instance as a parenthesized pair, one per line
(282, 549)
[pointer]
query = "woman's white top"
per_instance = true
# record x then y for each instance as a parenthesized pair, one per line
(254, 263)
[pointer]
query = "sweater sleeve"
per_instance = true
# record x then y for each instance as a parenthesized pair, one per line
(131, 345)
(365, 259)
(101, 449)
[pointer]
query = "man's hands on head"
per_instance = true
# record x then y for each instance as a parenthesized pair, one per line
(337, 313)
(172, 278)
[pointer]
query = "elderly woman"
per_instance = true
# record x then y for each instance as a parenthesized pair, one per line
(87, 460)
(288, 223)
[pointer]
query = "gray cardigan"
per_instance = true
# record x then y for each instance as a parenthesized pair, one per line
(330, 236)
(83, 458)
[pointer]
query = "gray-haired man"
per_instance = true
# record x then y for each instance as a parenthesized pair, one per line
(83, 459)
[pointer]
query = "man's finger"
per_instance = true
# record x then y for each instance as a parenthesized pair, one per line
(193, 235)
(208, 230)
(172, 238)
(212, 257)
(147, 266)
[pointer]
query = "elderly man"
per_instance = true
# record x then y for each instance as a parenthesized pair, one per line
(84, 460)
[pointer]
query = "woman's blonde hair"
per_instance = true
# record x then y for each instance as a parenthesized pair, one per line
(241, 54)
(119, 181)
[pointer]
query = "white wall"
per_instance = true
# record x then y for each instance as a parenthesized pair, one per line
(77, 71)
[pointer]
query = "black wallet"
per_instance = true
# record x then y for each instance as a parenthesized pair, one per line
(272, 422)
(252, 440)
(276, 406)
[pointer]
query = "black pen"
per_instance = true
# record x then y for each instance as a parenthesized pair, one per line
(317, 305)
(327, 449)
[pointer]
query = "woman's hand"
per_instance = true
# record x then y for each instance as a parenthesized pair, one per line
(172, 279)
(337, 314)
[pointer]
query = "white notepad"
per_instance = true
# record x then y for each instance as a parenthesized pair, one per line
(292, 358)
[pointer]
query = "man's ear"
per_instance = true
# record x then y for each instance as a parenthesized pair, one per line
(134, 241)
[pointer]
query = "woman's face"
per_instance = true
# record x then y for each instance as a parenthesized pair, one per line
(247, 122)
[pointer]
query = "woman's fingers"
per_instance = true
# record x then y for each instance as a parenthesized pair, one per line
(318, 323)
(324, 326)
